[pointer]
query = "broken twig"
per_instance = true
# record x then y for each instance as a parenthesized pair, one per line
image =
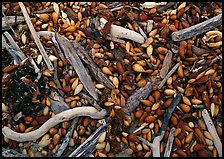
(120, 32)
(11, 21)
(163, 8)
(36, 39)
(99, 75)
(197, 29)
(168, 75)
(61, 117)
(71, 55)
(88, 146)
(212, 130)
(169, 143)
(67, 138)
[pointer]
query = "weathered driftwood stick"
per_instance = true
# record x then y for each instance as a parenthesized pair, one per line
(198, 51)
(139, 94)
(91, 101)
(11, 153)
(57, 102)
(13, 44)
(211, 128)
(52, 36)
(155, 145)
(56, 76)
(36, 39)
(169, 143)
(67, 138)
(167, 63)
(45, 10)
(88, 146)
(71, 55)
(169, 112)
(11, 21)
(141, 127)
(11, 51)
(99, 75)
(61, 117)
(197, 29)
(163, 8)
(121, 32)
(168, 75)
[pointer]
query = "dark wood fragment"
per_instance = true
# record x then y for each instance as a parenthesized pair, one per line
(197, 29)
(163, 8)
(169, 112)
(139, 94)
(99, 75)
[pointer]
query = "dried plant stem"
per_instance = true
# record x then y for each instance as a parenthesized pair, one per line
(140, 94)
(120, 32)
(197, 29)
(61, 117)
(56, 76)
(88, 146)
(71, 55)
(155, 145)
(212, 130)
(169, 74)
(36, 39)
(67, 138)
(11, 153)
(169, 112)
(13, 44)
(91, 101)
(163, 8)
(169, 143)
(99, 75)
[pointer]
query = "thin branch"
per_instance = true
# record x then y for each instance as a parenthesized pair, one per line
(67, 138)
(11, 153)
(99, 75)
(61, 117)
(36, 39)
(89, 145)
(169, 143)
(139, 94)
(197, 29)
(169, 74)
(212, 130)
(169, 112)
(163, 8)
(155, 145)
(71, 55)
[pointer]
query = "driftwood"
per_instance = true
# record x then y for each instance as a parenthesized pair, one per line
(36, 39)
(168, 75)
(167, 63)
(212, 130)
(14, 46)
(163, 8)
(99, 75)
(169, 143)
(169, 112)
(11, 21)
(61, 117)
(91, 101)
(67, 138)
(11, 153)
(89, 145)
(155, 146)
(121, 32)
(139, 94)
(71, 55)
(197, 29)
